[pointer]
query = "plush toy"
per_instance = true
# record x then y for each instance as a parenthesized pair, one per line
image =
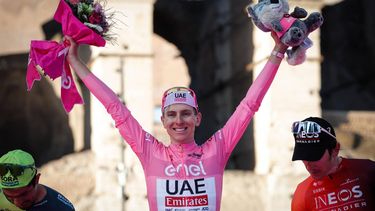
(273, 15)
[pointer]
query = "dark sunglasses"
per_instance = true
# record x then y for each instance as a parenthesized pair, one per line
(309, 128)
(15, 170)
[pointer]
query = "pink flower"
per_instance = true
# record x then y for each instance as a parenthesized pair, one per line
(95, 18)
(98, 8)
(74, 2)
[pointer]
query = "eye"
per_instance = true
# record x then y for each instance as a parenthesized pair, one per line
(170, 114)
(187, 113)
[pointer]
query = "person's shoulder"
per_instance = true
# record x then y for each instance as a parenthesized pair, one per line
(298, 198)
(359, 162)
(54, 195)
(365, 166)
(305, 184)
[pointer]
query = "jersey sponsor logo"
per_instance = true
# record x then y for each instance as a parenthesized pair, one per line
(319, 190)
(195, 209)
(343, 197)
(220, 135)
(189, 201)
(45, 201)
(190, 170)
(318, 183)
(65, 201)
(188, 194)
(347, 181)
(195, 155)
(179, 187)
(148, 137)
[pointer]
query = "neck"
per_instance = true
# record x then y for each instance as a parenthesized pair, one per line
(183, 142)
(335, 165)
(41, 192)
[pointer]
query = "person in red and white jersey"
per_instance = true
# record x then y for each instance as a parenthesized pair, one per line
(183, 175)
(335, 183)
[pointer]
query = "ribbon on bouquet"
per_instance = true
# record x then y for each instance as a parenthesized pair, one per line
(49, 57)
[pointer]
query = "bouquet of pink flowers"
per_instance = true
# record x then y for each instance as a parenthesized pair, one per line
(83, 20)
(92, 15)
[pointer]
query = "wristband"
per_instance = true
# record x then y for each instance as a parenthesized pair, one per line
(277, 54)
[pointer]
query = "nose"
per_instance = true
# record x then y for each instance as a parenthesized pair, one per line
(179, 119)
(297, 33)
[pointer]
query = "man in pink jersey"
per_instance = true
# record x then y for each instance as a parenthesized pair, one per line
(335, 183)
(183, 175)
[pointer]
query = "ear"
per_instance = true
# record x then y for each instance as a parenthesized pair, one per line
(162, 119)
(336, 150)
(199, 119)
(37, 177)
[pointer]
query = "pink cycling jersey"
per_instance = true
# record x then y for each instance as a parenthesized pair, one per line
(184, 176)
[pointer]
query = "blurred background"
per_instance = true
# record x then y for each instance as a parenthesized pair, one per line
(211, 46)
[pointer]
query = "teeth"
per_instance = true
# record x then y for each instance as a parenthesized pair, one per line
(179, 129)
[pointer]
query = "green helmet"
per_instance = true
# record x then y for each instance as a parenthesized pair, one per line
(17, 169)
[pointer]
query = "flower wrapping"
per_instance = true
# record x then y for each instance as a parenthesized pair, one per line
(49, 57)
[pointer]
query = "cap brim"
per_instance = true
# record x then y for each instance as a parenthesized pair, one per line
(308, 153)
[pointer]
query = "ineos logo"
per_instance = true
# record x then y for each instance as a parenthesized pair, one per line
(342, 195)
(192, 169)
(303, 134)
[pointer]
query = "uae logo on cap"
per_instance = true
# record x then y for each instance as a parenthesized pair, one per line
(180, 97)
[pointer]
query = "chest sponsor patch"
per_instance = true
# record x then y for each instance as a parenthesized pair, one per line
(348, 197)
(189, 194)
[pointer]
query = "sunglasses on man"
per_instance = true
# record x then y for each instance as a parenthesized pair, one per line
(14, 169)
(309, 128)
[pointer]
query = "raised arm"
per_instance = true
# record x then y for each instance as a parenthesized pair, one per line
(238, 122)
(278, 48)
(263, 81)
(128, 127)
(100, 90)
(78, 66)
